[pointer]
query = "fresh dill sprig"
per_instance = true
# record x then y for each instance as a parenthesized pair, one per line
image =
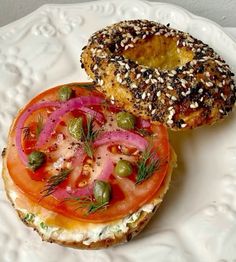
(54, 181)
(95, 206)
(39, 126)
(147, 164)
(89, 137)
(86, 202)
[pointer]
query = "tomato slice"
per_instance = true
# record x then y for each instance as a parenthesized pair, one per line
(126, 197)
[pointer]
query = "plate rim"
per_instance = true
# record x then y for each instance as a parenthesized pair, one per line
(150, 3)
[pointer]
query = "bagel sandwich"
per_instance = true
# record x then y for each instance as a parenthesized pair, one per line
(82, 172)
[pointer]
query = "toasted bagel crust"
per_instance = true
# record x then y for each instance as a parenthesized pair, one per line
(194, 88)
(120, 237)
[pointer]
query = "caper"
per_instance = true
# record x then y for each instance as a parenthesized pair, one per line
(75, 127)
(123, 168)
(125, 120)
(102, 191)
(36, 159)
(65, 93)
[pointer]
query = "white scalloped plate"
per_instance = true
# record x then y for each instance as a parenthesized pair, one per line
(197, 221)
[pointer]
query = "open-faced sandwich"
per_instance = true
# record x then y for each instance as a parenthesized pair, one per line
(83, 172)
(89, 169)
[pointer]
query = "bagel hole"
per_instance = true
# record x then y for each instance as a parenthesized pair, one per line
(159, 52)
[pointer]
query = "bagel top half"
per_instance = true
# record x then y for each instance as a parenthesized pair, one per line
(160, 73)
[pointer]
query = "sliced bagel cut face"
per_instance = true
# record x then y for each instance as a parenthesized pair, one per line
(160, 73)
(32, 192)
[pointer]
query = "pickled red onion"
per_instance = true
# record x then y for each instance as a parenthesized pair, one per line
(144, 123)
(20, 125)
(127, 137)
(77, 164)
(63, 193)
(97, 115)
(54, 118)
(106, 171)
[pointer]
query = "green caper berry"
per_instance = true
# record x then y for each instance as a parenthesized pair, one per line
(65, 93)
(36, 159)
(75, 128)
(123, 168)
(125, 120)
(102, 191)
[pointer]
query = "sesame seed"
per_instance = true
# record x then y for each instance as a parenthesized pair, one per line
(144, 95)
(223, 96)
(194, 105)
(170, 121)
(118, 78)
(133, 85)
(183, 125)
(173, 98)
(188, 92)
(221, 111)
(207, 74)
(158, 93)
(169, 87)
(209, 84)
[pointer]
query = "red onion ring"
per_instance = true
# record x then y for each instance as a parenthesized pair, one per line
(20, 126)
(77, 164)
(63, 193)
(106, 171)
(54, 118)
(96, 115)
(144, 123)
(126, 137)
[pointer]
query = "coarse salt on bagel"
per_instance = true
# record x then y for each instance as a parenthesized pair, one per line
(160, 73)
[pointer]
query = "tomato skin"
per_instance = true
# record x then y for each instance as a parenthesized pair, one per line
(117, 193)
(38, 175)
(121, 204)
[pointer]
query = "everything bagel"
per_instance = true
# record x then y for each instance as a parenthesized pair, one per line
(160, 73)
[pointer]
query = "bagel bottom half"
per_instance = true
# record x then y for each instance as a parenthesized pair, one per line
(56, 228)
